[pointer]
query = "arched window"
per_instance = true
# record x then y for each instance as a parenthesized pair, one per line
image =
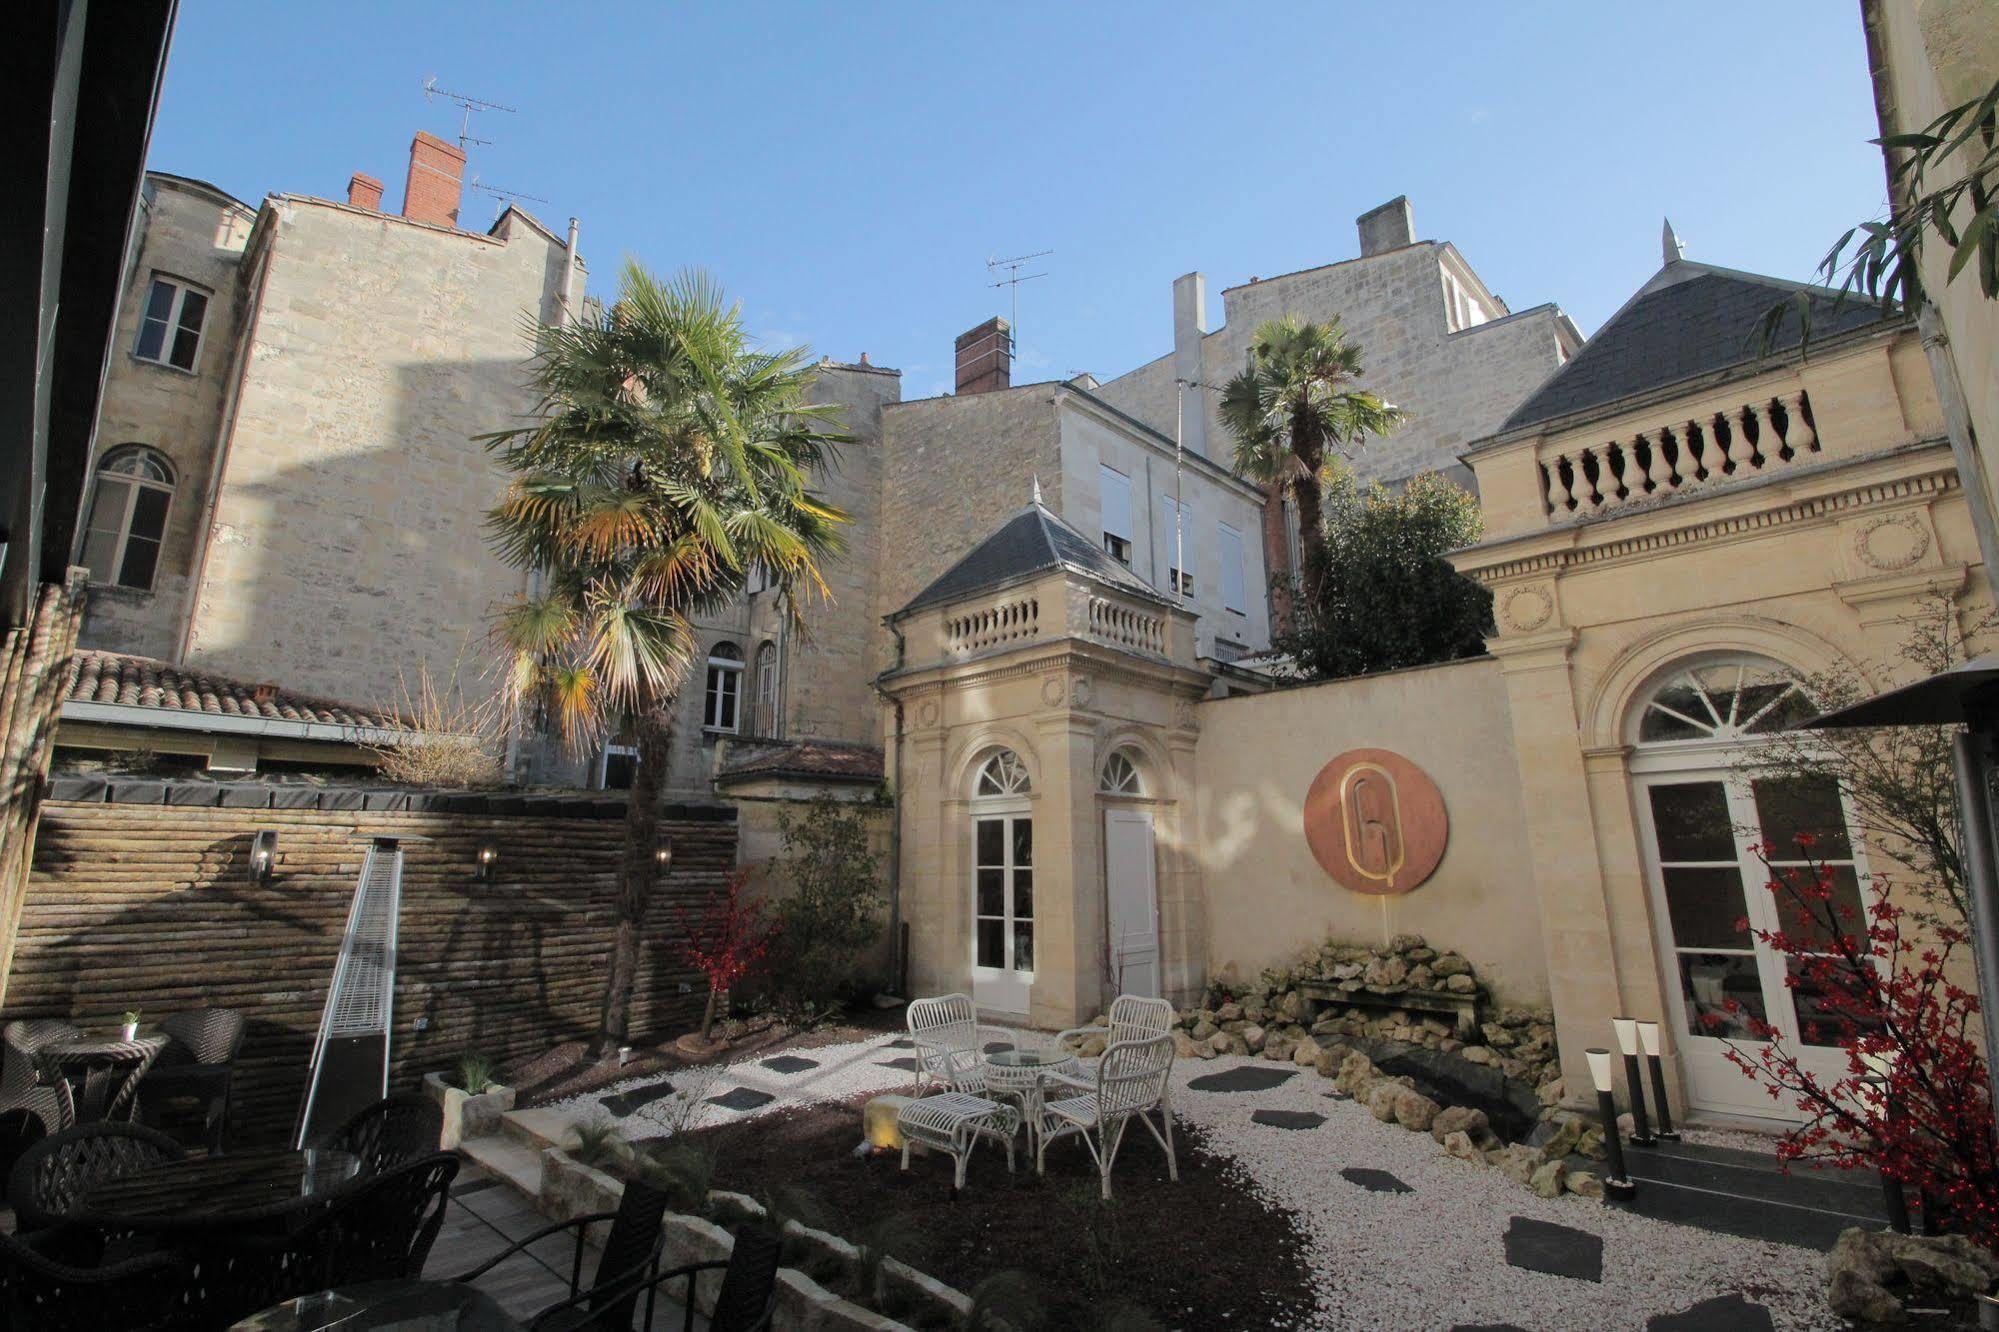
(1709, 798)
(1002, 775)
(1120, 775)
(766, 718)
(1002, 885)
(722, 700)
(129, 498)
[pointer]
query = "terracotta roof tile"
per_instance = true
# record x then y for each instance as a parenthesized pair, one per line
(821, 759)
(142, 682)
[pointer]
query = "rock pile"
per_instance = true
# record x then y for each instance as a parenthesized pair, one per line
(1869, 1272)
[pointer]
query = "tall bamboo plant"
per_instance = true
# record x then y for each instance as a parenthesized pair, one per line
(1298, 400)
(666, 457)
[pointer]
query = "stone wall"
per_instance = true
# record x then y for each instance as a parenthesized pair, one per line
(1270, 903)
(348, 544)
(195, 234)
(144, 901)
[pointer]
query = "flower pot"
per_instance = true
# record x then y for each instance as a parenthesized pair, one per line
(129, 1032)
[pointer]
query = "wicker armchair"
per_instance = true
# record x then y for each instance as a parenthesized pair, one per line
(248, 1261)
(38, 1292)
(388, 1224)
(50, 1179)
(395, 1130)
(1129, 1083)
(950, 1043)
(1132, 1018)
(199, 1064)
(625, 1267)
(21, 1084)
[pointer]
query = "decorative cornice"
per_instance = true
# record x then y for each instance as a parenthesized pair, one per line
(1938, 482)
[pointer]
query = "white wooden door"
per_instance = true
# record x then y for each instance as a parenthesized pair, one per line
(1134, 902)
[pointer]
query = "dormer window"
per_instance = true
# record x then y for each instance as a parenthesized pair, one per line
(170, 325)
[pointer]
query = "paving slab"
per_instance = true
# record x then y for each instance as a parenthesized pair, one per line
(789, 1064)
(1724, 1313)
(1374, 1181)
(1247, 1078)
(742, 1098)
(1543, 1246)
(1287, 1119)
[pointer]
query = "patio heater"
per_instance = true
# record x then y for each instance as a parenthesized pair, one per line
(1966, 696)
(350, 1056)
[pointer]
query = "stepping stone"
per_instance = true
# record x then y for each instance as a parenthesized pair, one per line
(1246, 1078)
(1724, 1313)
(624, 1103)
(789, 1064)
(904, 1044)
(906, 1065)
(1488, 1327)
(1336, 1096)
(1374, 1181)
(741, 1098)
(994, 1047)
(1543, 1246)
(1287, 1119)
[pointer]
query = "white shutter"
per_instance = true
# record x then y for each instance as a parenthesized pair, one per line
(1233, 597)
(1114, 489)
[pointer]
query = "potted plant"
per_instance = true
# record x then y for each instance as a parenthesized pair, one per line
(471, 1097)
(130, 1031)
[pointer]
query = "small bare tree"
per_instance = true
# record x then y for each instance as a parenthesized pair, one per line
(440, 737)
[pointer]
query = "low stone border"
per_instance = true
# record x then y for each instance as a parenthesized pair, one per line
(467, 1115)
(570, 1188)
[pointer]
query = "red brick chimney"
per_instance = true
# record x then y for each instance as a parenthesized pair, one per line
(437, 172)
(985, 357)
(364, 192)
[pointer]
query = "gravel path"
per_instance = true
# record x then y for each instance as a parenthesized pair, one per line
(1423, 1260)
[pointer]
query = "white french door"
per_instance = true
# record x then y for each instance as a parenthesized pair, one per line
(1002, 911)
(1701, 827)
(1131, 891)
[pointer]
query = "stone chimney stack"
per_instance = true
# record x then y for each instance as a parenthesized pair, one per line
(437, 176)
(985, 357)
(364, 192)
(1388, 227)
(1190, 328)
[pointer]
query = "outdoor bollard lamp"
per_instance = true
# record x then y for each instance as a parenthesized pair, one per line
(1648, 1037)
(1627, 1041)
(1616, 1184)
(487, 855)
(264, 855)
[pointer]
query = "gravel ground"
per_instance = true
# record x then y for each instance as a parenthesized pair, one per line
(1436, 1257)
(1421, 1261)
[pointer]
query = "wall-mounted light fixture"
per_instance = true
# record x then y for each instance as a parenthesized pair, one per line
(264, 855)
(1655, 1068)
(663, 856)
(487, 855)
(1617, 1184)
(1627, 1041)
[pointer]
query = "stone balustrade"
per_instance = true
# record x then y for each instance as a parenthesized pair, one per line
(1127, 626)
(993, 626)
(1763, 435)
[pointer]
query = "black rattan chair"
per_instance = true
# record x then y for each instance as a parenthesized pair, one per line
(630, 1252)
(38, 1292)
(248, 1261)
(198, 1064)
(393, 1131)
(747, 1300)
(388, 1224)
(22, 1086)
(50, 1179)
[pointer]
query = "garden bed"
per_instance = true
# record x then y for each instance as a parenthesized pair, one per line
(1204, 1251)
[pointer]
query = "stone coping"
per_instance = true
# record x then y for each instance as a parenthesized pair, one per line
(188, 794)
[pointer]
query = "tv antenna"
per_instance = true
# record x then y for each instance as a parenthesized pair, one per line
(501, 195)
(469, 104)
(1014, 277)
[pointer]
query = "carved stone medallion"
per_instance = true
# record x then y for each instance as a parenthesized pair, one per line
(1376, 822)
(1524, 609)
(1052, 691)
(1891, 542)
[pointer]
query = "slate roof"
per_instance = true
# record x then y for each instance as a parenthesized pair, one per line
(1033, 541)
(820, 760)
(1689, 320)
(142, 682)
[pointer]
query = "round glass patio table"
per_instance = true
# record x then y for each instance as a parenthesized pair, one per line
(1019, 1073)
(386, 1304)
(212, 1188)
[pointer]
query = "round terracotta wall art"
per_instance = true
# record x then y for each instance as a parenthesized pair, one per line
(1376, 822)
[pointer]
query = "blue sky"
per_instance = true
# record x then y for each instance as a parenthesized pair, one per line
(846, 171)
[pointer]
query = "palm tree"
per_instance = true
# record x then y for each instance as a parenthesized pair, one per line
(666, 457)
(1296, 400)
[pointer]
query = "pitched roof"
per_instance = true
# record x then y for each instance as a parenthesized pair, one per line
(822, 760)
(1033, 541)
(1689, 320)
(114, 677)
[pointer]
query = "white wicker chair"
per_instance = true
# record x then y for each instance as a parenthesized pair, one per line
(1131, 1017)
(1130, 1083)
(950, 1043)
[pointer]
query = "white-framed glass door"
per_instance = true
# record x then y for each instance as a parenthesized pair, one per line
(1702, 823)
(1002, 909)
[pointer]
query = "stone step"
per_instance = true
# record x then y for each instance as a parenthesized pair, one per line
(537, 1128)
(1751, 1218)
(508, 1160)
(1758, 1175)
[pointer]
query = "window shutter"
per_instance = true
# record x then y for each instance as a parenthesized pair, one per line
(1233, 597)
(1115, 493)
